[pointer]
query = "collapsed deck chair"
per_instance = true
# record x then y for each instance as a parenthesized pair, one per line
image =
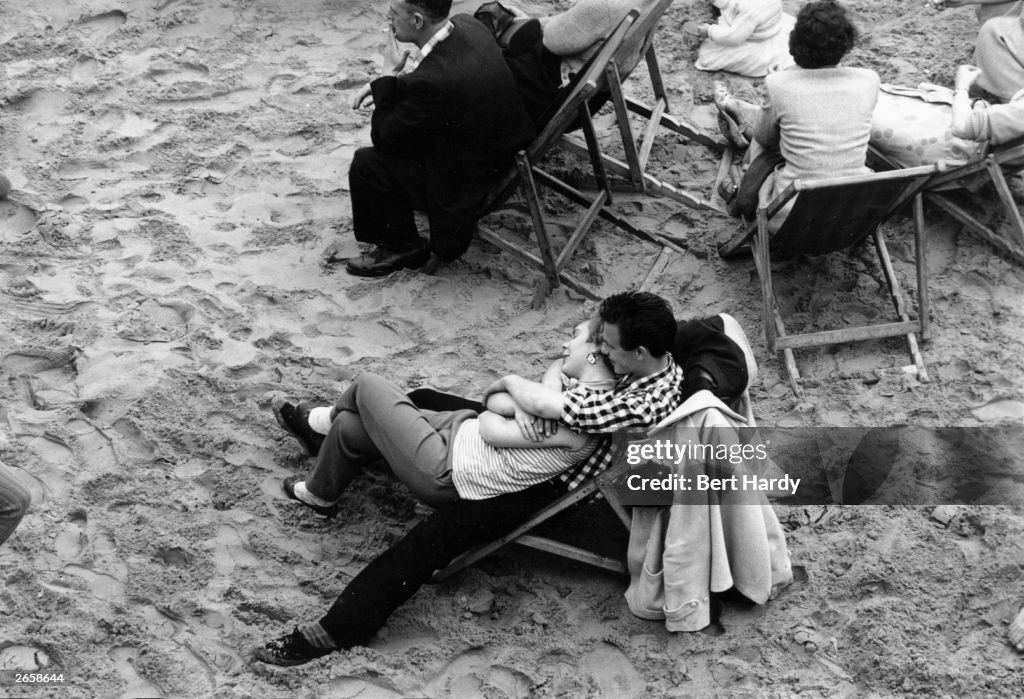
(527, 174)
(639, 44)
(715, 347)
(830, 215)
(994, 167)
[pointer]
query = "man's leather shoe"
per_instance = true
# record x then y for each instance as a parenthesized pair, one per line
(294, 419)
(289, 651)
(382, 261)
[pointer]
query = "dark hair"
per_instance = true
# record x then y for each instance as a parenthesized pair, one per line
(435, 10)
(822, 36)
(643, 319)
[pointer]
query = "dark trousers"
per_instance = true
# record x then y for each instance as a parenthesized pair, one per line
(395, 575)
(386, 189)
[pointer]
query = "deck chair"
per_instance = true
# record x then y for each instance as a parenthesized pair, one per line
(714, 346)
(994, 167)
(831, 215)
(639, 43)
(527, 174)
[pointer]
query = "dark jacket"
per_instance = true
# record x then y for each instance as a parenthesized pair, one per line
(460, 115)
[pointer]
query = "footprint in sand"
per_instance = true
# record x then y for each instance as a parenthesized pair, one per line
(138, 686)
(344, 687)
(136, 444)
(154, 322)
(612, 673)
(462, 676)
(85, 70)
(26, 659)
(15, 221)
(71, 541)
(94, 447)
(100, 26)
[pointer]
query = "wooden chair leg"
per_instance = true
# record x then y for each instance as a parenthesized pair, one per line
(636, 170)
(1012, 210)
(896, 294)
(594, 152)
(762, 260)
(532, 196)
(921, 263)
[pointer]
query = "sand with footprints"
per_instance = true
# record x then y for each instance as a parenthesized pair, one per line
(179, 174)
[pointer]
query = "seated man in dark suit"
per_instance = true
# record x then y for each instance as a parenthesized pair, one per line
(445, 127)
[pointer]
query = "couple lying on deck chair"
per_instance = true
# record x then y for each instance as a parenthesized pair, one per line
(436, 445)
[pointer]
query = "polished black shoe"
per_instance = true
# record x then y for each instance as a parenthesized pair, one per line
(382, 261)
(294, 419)
(289, 650)
(288, 486)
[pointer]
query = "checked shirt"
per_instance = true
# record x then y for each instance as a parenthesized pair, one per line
(633, 404)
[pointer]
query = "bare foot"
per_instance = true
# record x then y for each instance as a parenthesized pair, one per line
(1016, 631)
(723, 99)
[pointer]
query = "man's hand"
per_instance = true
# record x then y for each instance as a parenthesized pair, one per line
(363, 98)
(965, 76)
(535, 429)
(394, 56)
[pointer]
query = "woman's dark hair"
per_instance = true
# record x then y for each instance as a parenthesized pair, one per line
(822, 36)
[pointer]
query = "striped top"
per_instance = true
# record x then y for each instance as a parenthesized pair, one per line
(480, 471)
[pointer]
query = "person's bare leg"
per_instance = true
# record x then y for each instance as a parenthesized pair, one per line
(1016, 631)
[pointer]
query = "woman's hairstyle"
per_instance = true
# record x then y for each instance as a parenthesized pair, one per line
(822, 36)
(643, 319)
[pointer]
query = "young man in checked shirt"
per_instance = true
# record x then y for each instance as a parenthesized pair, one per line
(638, 331)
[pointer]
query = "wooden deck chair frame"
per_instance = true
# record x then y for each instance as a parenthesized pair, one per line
(706, 355)
(997, 163)
(877, 195)
(601, 483)
(527, 174)
(639, 43)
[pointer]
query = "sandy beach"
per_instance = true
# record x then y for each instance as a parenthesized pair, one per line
(179, 172)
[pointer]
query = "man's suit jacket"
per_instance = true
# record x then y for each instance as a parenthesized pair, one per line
(460, 115)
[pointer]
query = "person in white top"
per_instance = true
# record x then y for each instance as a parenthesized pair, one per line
(751, 38)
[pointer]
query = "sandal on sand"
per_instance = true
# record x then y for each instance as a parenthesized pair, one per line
(732, 131)
(730, 128)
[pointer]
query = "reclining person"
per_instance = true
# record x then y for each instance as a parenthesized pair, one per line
(637, 332)
(445, 456)
(537, 48)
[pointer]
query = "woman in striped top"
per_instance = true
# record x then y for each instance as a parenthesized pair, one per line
(459, 455)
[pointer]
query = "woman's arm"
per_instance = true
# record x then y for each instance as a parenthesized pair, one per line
(968, 122)
(501, 403)
(500, 431)
(732, 34)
